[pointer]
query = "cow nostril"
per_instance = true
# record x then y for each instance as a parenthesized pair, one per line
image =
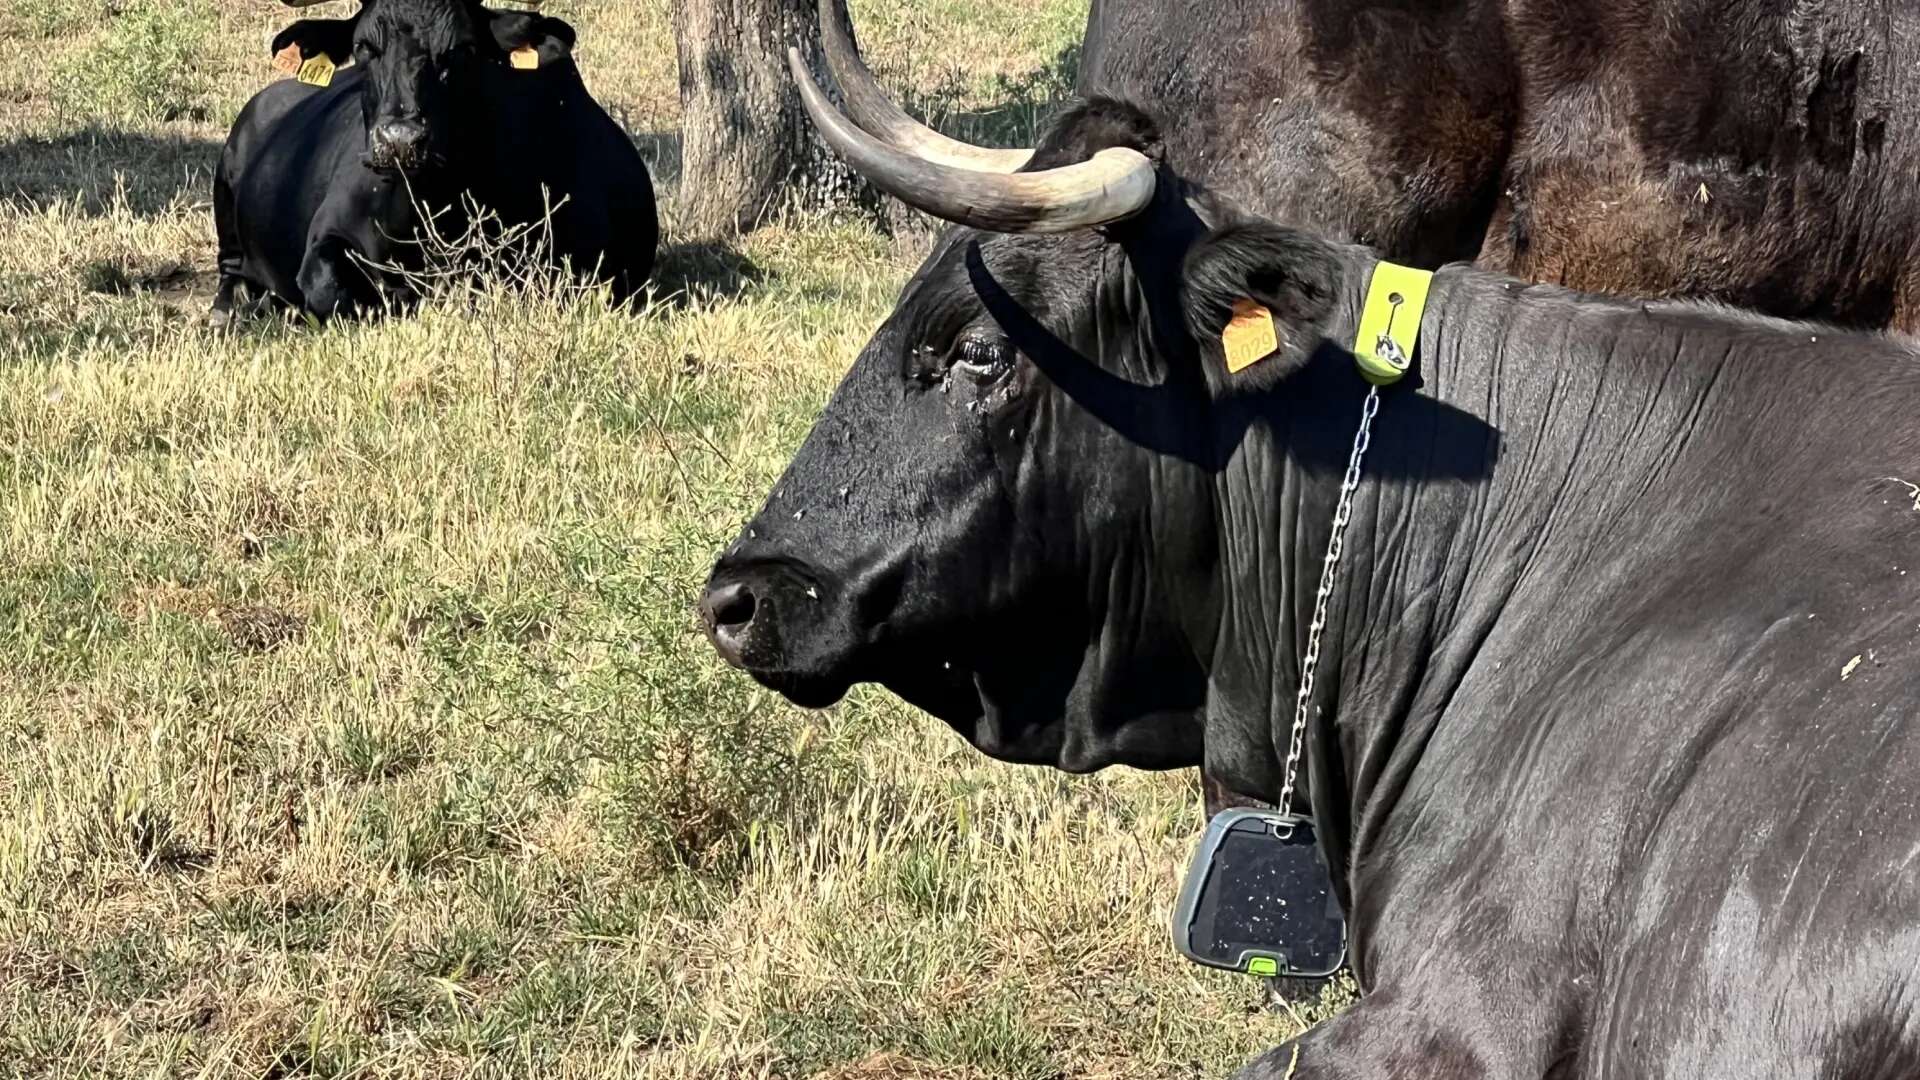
(401, 135)
(732, 605)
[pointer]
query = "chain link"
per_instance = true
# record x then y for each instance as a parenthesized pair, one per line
(1341, 514)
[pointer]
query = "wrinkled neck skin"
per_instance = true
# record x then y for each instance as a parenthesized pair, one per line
(1133, 689)
(1398, 630)
(1197, 612)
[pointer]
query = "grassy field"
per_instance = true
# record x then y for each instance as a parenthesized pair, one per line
(354, 720)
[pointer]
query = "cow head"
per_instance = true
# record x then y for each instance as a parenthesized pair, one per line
(1006, 512)
(420, 57)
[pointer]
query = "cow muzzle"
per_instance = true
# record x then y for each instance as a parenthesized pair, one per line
(398, 144)
(727, 611)
(770, 620)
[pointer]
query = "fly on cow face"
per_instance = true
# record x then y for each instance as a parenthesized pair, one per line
(1002, 513)
(420, 60)
(928, 536)
(416, 53)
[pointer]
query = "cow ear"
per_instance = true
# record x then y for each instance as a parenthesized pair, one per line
(550, 37)
(1254, 295)
(334, 37)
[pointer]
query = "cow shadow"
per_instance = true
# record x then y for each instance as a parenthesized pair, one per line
(659, 147)
(684, 274)
(661, 151)
(1023, 102)
(1428, 438)
(97, 169)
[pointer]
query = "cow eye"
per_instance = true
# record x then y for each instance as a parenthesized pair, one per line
(984, 359)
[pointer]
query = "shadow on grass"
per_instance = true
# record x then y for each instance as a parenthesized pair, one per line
(1020, 107)
(661, 151)
(1021, 104)
(95, 166)
(683, 273)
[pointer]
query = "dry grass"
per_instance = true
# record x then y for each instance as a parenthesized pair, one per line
(353, 720)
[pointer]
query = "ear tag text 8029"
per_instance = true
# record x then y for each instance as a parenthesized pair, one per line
(1249, 337)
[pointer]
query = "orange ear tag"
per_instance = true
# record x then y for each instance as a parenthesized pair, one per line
(287, 60)
(525, 58)
(1249, 337)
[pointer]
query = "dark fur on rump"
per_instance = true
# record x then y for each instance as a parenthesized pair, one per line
(1758, 154)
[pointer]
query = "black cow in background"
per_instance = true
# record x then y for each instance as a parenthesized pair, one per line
(447, 103)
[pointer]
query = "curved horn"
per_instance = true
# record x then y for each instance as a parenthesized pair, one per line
(872, 109)
(1113, 184)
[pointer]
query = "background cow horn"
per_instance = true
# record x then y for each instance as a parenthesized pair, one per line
(1113, 184)
(872, 109)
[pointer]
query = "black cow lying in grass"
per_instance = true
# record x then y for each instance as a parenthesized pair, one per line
(449, 106)
(1613, 745)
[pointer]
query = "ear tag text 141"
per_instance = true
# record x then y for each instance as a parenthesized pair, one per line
(1390, 321)
(525, 58)
(317, 71)
(1249, 337)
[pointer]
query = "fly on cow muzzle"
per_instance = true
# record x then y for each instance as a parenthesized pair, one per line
(402, 145)
(769, 619)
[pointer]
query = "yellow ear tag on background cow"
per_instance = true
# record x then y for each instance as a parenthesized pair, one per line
(1249, 337)
(1390, 323)
(317, 71)
(287, 60)
(526, 58)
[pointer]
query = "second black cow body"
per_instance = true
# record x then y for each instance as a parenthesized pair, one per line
(322, 191)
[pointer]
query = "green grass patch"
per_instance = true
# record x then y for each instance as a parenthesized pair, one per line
(148, 63)
(354, 716)
(58, 18)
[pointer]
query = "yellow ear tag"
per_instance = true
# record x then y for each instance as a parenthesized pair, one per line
(1390, 323)
(317, 71)
(1249, 337)
(526, 58)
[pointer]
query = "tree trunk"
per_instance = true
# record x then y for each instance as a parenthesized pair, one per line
(747, 150)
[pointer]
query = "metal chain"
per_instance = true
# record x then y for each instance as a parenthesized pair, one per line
(1341, 514)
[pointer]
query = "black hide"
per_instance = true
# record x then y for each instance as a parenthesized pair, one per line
(1612, 741)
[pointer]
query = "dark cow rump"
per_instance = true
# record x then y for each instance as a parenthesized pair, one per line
(1762, 155)
(1757, 154)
